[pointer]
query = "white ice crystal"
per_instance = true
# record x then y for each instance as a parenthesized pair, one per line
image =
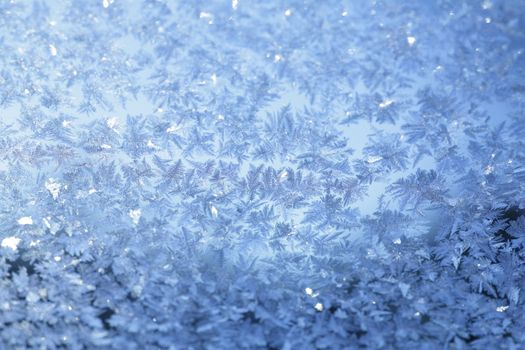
(135, 215)
(53, 187)
(25, 220)
(10, 242)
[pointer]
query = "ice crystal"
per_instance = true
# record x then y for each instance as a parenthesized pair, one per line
(262, 174)
(10, 242)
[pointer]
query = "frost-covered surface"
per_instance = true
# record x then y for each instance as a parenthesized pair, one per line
(262, 174)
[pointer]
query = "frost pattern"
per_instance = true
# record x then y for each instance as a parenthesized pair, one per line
(262, 174)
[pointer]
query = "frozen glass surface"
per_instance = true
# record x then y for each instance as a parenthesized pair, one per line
(262, 174)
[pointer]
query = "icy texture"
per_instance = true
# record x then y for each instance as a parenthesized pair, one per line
(262, 174)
